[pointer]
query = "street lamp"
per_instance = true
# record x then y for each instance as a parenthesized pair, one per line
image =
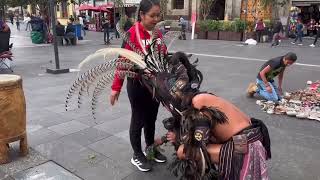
(57, 69)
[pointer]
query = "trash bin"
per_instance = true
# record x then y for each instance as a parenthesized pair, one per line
(77, 28)
(36, 37)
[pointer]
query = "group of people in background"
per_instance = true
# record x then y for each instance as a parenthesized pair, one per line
(313, 29)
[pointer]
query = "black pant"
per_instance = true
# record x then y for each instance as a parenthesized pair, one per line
(106, 33)
(183, 33)
(318, 34)
(259, 35)
(144, 114)
(116, 33)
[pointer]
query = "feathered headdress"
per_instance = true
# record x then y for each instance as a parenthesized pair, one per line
(149, 63)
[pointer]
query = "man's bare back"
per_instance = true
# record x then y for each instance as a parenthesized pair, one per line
(237, 120)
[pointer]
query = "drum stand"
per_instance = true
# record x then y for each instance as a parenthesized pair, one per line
(4, 147)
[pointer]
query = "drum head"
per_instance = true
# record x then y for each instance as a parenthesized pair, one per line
(9, 79)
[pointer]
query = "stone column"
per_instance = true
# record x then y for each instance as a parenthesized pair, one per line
(228, 9)
(236, 9)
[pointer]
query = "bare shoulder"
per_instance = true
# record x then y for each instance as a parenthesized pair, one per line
(202, 100)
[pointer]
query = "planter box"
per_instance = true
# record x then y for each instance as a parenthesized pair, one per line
(230, 36)
(213, 35)
(202, 35)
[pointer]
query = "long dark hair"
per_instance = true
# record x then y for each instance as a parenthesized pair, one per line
(146, 5)
(211, 115)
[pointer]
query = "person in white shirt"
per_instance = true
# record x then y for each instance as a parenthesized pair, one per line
(81, 22)
(27, 20)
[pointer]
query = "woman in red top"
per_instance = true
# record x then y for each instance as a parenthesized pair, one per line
(260, 26)
(144, 107)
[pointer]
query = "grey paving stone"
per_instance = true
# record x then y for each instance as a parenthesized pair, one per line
(41, 136)
(90, 121)
(48, 170)
(124, 135)
(116, 125)
(19, 163)
(5, 176)
(87, 136)
(158, 172)
(68, 127)
(114, 148)
(83, 159)
(48, 119)
(58, 148)
(107, 169)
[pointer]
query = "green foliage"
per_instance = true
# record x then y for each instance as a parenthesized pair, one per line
(214, 25)
(204, 25)
(239, 25)
(227, 26)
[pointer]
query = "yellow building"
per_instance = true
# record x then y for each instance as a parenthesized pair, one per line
(64, 10)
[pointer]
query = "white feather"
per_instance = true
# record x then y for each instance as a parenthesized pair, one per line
(132, 56)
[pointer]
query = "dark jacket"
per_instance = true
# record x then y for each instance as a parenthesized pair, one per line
(70, 28)
(60, 30)
(277, 27)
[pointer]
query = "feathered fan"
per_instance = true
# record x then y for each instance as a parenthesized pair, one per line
(152, 61)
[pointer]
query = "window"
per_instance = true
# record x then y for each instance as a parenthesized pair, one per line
(178, 4)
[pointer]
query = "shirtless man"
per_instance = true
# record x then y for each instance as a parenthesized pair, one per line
(230, 127)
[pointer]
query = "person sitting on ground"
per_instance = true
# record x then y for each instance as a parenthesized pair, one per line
(70, 33)
(265, 85)
(237, 144)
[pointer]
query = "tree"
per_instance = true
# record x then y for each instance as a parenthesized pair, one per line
(205, 7)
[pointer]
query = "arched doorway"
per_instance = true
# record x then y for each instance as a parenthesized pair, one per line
(217, 10)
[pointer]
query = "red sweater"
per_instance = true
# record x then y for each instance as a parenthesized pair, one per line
(145, 39)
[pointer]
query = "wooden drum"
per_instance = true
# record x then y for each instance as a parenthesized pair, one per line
(12, 115)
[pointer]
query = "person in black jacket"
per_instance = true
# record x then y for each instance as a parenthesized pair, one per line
(60, 29)
(70, 33)
(106, 31)
(277, 29)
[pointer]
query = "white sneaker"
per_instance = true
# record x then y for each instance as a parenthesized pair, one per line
(312, 45)
(300, 44)
(293, 42)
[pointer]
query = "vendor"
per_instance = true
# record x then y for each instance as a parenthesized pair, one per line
(265, 85)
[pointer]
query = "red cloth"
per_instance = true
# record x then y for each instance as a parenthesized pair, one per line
(260, 26)
(145, 37)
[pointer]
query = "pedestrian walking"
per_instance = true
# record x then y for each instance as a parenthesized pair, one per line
(117, 35)
(81, 22)
(299, 33)
(106, 29)
(26, 21)
(183, 25)
(11, 18)
(259, 28)
(317, 36)
(18, 23)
